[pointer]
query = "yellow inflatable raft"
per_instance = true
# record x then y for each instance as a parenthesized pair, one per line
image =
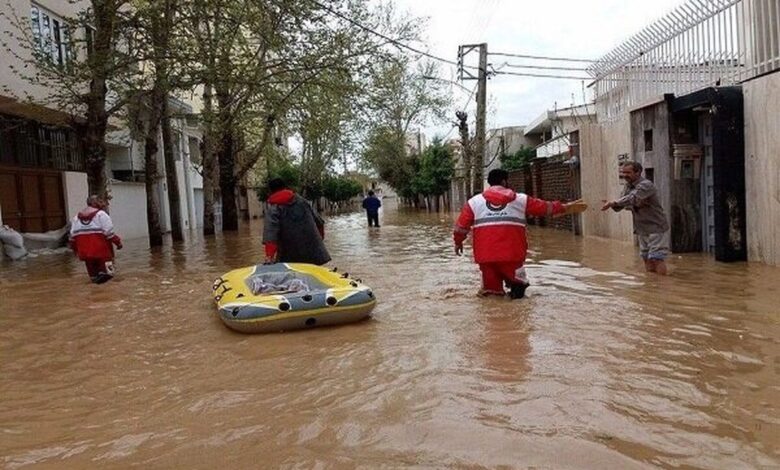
(289, 296)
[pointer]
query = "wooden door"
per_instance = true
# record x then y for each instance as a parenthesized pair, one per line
(10, 209)
(32, 200)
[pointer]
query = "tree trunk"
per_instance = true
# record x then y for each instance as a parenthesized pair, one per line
(152, 206)
(158, 110)
(95, 139)
(174, 200)
(209, 159)
(227, 182)
(227, 161)
(96, 159)
(102, 55)
(209, 177)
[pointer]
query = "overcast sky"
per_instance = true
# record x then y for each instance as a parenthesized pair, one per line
(584, 29)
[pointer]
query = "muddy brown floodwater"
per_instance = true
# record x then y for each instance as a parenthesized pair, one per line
(601, 366)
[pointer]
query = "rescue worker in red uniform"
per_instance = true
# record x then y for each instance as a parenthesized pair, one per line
(91, 237)
(498, 218)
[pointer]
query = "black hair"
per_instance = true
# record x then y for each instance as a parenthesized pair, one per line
(276, 184)
(371, 193)
(497, 176)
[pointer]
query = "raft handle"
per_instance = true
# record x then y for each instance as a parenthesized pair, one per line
(307, 298)
(331, 301)
(284, 306)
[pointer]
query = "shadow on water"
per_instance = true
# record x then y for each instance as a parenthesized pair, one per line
(601, 366)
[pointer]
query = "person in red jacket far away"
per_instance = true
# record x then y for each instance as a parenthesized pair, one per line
(498, 218)
(91, 237)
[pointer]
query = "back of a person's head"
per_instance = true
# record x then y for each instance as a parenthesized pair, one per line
(95, 201)
(371, 193)
(497, 176)
(276, 184)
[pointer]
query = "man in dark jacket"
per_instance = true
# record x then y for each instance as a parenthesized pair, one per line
(292, 231)
(372, 204)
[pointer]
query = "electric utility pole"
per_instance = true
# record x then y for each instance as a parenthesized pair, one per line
(478, 163)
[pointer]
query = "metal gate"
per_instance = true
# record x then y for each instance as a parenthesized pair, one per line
(707, 186)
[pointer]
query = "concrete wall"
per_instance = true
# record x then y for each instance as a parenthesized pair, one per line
(185, 196)
(600, 145)
(128, 209)
(74, 185)
(762, 168)
(655, 118)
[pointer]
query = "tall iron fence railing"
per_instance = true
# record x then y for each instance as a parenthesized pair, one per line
(699, 44)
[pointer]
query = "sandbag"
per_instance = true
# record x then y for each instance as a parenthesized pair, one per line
(51, 240)
(14, 252)
(13, 243)
(9, 236)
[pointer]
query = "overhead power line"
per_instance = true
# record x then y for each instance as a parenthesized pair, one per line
(542, 67)
(539, 57)
(541, 75)
(395, 42)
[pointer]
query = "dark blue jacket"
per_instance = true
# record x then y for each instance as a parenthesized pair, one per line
(372, 204)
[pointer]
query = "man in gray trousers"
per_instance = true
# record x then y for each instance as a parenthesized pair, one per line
(292, 231)
(650, 223)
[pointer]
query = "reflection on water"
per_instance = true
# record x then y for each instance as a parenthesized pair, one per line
(601, 366)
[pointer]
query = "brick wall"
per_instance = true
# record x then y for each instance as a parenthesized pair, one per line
(549, 180)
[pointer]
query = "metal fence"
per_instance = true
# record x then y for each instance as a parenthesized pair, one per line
(699, 44)
(27, 143)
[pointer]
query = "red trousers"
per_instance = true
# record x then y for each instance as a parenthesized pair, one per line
(494, 275)
(97, 266)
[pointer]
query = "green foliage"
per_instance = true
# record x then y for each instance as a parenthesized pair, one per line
(341, 188)
(333, 188)
(518, 159)
(284, 169)
(428, 174)
(435, 170)
(386, 152)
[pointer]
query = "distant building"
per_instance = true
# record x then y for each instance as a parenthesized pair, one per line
(552, 130)
(506, 141)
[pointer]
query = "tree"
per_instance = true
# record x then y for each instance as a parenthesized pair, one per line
(149, 114)
(517, 160)
(434, 173)
(258, 57)
(467, 145)
(340, 189)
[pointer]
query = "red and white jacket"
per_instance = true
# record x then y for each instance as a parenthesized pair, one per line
(91, 235)
(498, 217)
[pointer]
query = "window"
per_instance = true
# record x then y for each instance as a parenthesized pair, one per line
(649, 140)
(50, 34)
